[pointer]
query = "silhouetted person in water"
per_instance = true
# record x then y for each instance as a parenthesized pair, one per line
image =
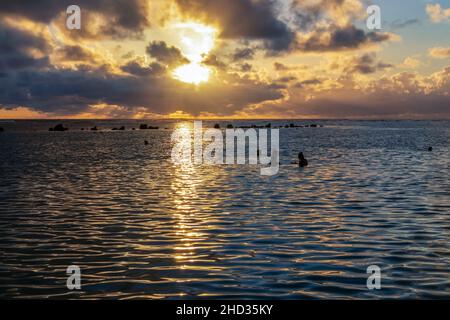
(302, 162)
(430, 149)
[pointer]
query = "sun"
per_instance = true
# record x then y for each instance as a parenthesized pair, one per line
(194, 73)
(196, 41)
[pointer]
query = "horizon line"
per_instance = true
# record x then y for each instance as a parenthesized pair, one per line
(228, 119)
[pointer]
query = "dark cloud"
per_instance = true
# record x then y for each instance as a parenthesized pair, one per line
(165, 54)
(13, 40)
(214, 61)
(338, 38)
(118, 15)
(248, 19)
(246, 67)
(75, 53)
(305, 19)
(280, 67)
(308, 82)
(243, 54)
(135, 68)
(287, 79)
(311, 82)
(67, 92)
(366, 64)
(260, 20)
(18, 49)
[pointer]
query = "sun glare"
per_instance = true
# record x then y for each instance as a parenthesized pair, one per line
(193, 73)
(196, 41)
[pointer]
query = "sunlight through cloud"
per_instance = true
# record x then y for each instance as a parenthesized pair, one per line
(196, 41)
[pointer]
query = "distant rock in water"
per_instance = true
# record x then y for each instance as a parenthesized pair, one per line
(58, 127)
(146, 142)
(147, 127)
(1, 129)
(217, 126)
(122, 128)
(94, 128)
(293, 125)
(430, 149)
(230, 126)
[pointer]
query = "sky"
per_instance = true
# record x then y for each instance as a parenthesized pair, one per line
(230, 59)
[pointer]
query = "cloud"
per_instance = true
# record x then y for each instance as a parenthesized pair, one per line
(437, 14)
(283, 27)
(286, 79)
(335, 38)
(214, 61)
(278, 66)
(71, 92)
(400, 24)
(243, 54)
(249, 19)
(339, 12)
(308, 82)
(167, 55)
(366, 64)
(410, 63)
(70, 78)
(439, 52)
(75, 53)
(137, 67)
(21, 49)
(119, 18)
(405, 95)
(29, 80)
(246, 67)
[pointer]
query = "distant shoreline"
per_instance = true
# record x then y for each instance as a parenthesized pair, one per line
(218, 120)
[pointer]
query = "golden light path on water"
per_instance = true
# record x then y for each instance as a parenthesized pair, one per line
(184, 188)
(196, 41)
(193, 227)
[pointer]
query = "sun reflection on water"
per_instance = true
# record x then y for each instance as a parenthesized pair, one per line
(184, 189)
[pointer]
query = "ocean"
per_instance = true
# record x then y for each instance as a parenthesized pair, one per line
(139, 226)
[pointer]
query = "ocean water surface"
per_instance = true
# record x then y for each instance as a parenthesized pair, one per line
(140, 227)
